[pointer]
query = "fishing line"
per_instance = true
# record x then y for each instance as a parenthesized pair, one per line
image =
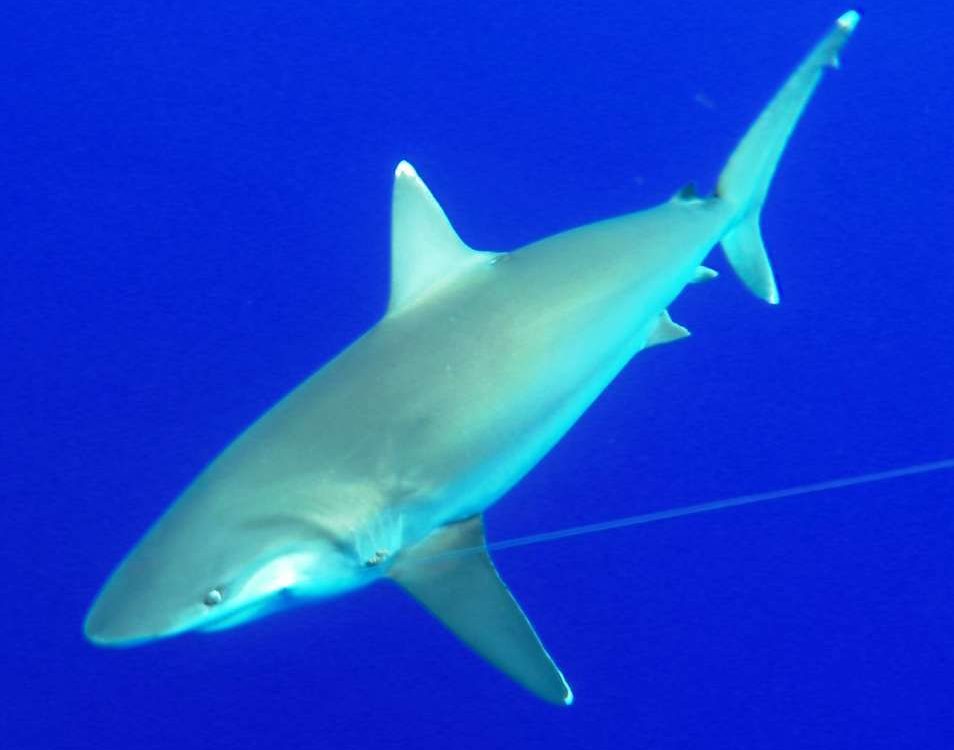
(696, 509)
(732, 502)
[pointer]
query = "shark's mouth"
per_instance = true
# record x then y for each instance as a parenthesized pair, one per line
(243, 614)
(268, 589)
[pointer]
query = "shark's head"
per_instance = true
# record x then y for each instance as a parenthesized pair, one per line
(207, 565)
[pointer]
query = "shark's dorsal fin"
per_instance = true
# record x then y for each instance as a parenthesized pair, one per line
(452, 575)
(425, 249)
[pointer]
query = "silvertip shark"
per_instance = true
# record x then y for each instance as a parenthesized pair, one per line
(382, 463)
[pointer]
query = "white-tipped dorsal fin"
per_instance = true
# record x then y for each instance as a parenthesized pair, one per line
(425, 249)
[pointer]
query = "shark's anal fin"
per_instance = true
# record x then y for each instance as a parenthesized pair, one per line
(452, 575)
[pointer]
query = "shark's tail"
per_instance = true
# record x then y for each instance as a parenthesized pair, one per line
(746, 177)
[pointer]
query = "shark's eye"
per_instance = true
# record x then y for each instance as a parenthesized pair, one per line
(213, 596)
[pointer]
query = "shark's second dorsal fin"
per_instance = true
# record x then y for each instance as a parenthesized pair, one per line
(451, 574)
(687, 194)
(425, 249)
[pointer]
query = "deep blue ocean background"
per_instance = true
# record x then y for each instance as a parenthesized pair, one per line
(194, 216)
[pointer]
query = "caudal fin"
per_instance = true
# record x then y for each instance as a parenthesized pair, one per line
(747, 175)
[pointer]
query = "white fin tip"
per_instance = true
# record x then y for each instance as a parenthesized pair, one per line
(404, 169)
(848, 21)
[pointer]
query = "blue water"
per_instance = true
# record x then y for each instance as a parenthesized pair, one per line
(194, 216)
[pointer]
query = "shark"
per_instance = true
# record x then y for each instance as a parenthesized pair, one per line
(381, 464)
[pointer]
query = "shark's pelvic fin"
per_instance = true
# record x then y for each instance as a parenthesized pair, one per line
(425, 249)
(746, 177)
(452, 575)
(666, 330)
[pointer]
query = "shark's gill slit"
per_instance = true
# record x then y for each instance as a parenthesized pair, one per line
(697, 508)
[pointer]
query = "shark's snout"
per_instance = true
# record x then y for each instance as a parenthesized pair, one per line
(102, 632)
(112, 622)
(134, 606)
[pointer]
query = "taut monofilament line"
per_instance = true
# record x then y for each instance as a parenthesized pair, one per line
(699, 508)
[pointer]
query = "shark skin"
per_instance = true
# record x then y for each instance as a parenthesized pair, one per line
(382, 463)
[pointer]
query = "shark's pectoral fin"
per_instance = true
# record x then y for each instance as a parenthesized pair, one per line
(451, 574)
(665, 330)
